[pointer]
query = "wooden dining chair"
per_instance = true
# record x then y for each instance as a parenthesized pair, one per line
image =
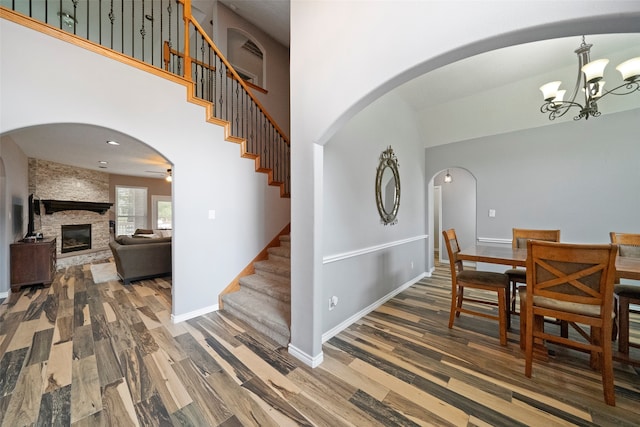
(519, 275)
(625, 294)
(572, 283)
(483, 280)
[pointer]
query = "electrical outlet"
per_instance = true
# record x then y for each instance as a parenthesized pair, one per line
(333, 301)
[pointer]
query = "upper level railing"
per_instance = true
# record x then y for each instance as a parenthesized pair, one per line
(153, 31)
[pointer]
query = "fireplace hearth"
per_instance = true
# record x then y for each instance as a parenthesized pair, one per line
(76, 237)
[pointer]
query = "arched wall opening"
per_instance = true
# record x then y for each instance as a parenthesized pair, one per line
(314, 126)
(597, 24)
(453, 206)
(75, 162)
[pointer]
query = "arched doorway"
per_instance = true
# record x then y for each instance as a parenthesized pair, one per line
(78, 162)
(453, 205)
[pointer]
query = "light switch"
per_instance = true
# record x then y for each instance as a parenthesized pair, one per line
(492, 213)
(212, 214)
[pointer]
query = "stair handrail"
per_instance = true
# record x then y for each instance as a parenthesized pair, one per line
(188, 60)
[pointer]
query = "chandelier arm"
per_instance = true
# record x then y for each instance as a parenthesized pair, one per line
(629, 87)
(557, 110)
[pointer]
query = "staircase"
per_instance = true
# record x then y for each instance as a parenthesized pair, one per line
(264, 298)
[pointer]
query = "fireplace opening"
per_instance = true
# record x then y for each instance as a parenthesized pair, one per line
(76, 237)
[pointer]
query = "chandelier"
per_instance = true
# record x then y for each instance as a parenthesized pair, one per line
(590, 82)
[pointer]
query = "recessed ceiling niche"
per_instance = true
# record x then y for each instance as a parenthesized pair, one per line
(246, 56)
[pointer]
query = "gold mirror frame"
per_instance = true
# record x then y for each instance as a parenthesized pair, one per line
(388, 204)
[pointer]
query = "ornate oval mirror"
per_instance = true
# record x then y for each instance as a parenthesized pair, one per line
(388, 187)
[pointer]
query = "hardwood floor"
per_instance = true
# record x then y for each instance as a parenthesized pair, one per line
(80, 353)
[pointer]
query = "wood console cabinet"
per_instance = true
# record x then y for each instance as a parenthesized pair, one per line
(32, 262)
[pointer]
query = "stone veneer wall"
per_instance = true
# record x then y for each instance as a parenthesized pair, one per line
(50, 180)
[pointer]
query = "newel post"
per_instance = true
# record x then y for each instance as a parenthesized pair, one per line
(187, 56)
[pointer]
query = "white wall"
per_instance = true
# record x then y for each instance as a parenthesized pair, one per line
(208, 171)
(371, 48)
(14, 189)
(365, 260)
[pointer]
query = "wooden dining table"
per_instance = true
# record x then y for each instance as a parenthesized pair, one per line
(627, 268)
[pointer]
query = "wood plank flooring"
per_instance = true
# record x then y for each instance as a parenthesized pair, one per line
(86, 354)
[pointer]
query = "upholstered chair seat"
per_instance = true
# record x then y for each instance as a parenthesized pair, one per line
(486, 278)
(626, 290)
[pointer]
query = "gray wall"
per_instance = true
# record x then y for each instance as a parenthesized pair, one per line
(365, 260)
(276, 63)
(582, 177)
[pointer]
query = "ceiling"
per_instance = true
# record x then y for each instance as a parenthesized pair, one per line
(85, 145)
(271, 16)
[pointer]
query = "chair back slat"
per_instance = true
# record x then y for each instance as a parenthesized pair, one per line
(581, 274)
(453, 249)
(628, 244)
(521, 235)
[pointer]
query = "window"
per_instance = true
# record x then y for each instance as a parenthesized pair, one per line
(161, 212)
(131, 209)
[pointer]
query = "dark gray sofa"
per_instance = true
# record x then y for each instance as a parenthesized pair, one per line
(140, 258)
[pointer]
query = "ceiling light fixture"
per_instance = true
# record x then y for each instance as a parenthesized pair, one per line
(448, 178)
(169, 177)
(589, 79)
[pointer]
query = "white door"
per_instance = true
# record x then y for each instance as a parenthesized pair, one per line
(437, 223)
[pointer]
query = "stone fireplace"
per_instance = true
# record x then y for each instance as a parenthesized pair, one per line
(75, 237)
(69, 196)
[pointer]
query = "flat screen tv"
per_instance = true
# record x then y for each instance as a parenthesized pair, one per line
(34, 209)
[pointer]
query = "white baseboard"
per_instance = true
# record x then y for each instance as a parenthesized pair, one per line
(311, 361)
(4, 294)
(190, 315)
(344, 325)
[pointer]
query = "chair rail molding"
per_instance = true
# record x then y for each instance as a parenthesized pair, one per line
(346, 255)
(494, 240)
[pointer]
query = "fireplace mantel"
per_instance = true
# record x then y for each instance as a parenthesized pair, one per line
(52, 206)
